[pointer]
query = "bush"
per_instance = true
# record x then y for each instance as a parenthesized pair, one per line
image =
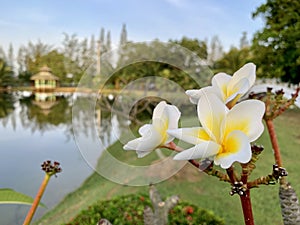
(129, 210)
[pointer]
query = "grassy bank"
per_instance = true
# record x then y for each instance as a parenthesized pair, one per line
(198, 188)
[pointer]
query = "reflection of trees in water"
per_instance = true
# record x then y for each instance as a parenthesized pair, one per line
(41, 116)
(82, 119)
(104, 125)
(36, 115)
(110, 116)
(94, 122)
(7, 107)
(7, 101)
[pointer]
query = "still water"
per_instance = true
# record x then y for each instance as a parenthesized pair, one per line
(35, 128)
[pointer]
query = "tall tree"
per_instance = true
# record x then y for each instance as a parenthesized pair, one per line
(215, 50)
(108, 41)
(2, 54)
(123, 38)
(244, 40)
(6, 74)
(102, 35)
(73, 54)
(93, 56)
(276, 46)
(23, 73)
(10, 56)
(33, 55)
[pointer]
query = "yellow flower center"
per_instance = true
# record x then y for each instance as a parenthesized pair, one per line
(229, 145)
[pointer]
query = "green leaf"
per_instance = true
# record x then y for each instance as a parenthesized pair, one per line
(9, 196)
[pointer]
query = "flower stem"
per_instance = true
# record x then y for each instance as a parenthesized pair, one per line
(231, 174)
(245, 197)
(173, 146)
(37, 200)
(247, 208)
(274, 141)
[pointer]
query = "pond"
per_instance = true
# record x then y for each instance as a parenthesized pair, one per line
(35, 128)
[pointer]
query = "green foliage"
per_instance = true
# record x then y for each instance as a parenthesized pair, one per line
(277, 47)
(151, 69)
(232, 60)
(53, 60)
(194, 45)
(46, 113)
(24, 78)
(6, 74)
(151, 59)
(9, 196)
(130, 209)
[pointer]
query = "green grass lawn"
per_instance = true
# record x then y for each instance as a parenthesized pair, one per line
(196, 187)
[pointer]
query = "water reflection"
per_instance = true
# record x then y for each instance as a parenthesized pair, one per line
(37, 127)
(43, 110)
(6, 104)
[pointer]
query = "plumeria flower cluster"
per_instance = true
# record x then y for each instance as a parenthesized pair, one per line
(227, 128)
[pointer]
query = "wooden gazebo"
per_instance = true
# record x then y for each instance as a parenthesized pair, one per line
(44, 80)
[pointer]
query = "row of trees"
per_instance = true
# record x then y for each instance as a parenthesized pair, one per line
(76, 57)
(69, 61)
(274, 49)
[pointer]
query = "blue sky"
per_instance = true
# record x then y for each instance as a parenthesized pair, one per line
(30, 20)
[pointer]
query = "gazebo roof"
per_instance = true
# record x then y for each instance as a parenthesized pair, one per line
(45, 73)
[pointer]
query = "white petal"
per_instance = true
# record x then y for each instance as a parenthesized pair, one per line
(236, 148)
(145, 129)
(173, 115)
(240, 88)
(173, 118)
(211, 113)
(159, 111)
(202, 150)
(194, 135)
(148, 142)
(246, 117)
(140, 144)
(247, 71)
(165, 117)
(221, 81)
(195, 95)
(160, 118)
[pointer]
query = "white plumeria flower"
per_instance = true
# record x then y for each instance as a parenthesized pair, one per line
(225, 134)
(228, 88)
(165, 117)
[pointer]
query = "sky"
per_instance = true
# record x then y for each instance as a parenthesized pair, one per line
(47, 20)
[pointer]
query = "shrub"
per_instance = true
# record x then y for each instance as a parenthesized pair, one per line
(129, 209)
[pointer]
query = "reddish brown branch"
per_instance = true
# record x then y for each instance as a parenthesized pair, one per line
(274, 141)
(247, 208)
